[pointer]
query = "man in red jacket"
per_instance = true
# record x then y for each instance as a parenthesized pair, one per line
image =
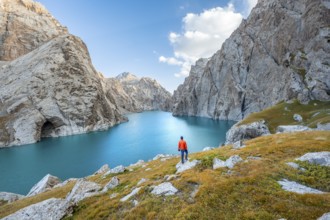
(182, 146)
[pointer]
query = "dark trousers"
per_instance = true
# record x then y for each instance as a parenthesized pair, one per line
(182, 155)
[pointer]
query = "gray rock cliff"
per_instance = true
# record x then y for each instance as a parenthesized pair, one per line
(281, 52)
(48, 85)
(133, 94)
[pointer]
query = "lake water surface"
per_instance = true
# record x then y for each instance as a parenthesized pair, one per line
(143, 137)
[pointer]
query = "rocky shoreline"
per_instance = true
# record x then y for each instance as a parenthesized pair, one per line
(84, 188)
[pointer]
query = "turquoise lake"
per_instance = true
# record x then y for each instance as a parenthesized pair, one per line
(143, 137)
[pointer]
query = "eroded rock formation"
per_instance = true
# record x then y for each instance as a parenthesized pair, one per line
(280, 52)
(48, 85)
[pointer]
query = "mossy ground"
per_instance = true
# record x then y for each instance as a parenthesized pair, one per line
(282, 114)
(249, 191)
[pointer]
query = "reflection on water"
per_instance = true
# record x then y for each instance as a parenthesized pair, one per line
(144, 136)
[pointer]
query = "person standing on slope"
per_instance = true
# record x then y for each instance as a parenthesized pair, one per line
(182, 146)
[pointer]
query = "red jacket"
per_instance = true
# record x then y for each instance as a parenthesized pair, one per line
(182, 145)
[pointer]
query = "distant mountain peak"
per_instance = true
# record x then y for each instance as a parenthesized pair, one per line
(127, 76)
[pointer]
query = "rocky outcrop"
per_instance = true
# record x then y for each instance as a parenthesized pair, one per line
(166, 189)
(292, 186)
(105, 168)
(54, 209)
(82, 189)
(133, 94)
(131, 194)
(26, 25)
(111, 184)
(48, 85)
(318, 158)
(44, 184)
(281, 52)
(246, 132)
(291, 128)
(10, 197)
(186, 166)
(230, 162)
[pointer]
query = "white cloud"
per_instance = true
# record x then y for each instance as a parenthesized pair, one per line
(170, 61)
(203, 34)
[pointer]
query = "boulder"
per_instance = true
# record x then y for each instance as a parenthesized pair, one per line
(326, 216)
(166, 189)
(117, 169)
(143, 180)
(105, 168)
(246, 132)
(44, 184)
(133, 193)
(82, 190)
(111, 184)
(230, 162)
(293, 165)
(217, 163)
(163, 156)
(10, 197)
(208, 148)
(186, 166)
(291, 128)
(139, 163)
(295, 187)
(319, 158)
(65, 182)
(54, 209)
(323, 127)
(297, 118)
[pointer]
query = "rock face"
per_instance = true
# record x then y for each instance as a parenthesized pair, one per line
(133, 94)
(24, 31)
(44, 184)
(48, 85)
(280, 52)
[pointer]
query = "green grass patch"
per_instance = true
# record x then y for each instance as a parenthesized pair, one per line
(282, 114)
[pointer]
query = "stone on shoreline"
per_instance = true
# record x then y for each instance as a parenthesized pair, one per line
(44, 184)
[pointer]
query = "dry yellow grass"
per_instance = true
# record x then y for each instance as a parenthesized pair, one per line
(249, 191)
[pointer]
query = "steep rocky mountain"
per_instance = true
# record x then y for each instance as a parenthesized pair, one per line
(48, 85)
(133, 94)
(281, 52)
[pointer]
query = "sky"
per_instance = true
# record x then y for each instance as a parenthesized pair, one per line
(160, 39)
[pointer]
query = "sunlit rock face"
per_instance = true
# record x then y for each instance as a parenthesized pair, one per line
(280, 52)
(48, 85)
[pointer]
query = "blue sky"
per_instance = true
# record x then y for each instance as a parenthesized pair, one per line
(155, 38)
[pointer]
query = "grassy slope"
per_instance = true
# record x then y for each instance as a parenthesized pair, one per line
(282, 114)
(249, 192)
